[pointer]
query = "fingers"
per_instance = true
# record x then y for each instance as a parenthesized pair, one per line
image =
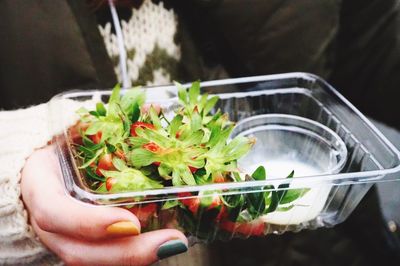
(56, 212)
(138, 250)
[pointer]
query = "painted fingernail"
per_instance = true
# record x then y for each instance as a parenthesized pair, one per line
(171, 248)
(125, 228)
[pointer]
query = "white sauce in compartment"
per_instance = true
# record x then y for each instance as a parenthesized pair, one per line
(307, 207)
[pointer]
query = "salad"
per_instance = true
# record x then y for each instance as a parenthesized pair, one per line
(127, 145)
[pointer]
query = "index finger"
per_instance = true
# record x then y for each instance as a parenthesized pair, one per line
(56, 212)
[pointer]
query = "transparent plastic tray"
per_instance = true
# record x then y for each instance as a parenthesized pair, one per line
(330, 198)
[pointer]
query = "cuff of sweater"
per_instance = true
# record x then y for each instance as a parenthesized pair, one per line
(21, 132)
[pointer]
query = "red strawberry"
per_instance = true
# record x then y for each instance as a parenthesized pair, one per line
(253, 228)
(105, 163)
(96, 138)
(144, 213)
(120, 154)
(109, 183)
(135, 125)
(151, 146)
(192, 203)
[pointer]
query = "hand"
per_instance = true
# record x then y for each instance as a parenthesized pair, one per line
(84, 235)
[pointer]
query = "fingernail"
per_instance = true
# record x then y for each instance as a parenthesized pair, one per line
(171, 248)
(124, 228)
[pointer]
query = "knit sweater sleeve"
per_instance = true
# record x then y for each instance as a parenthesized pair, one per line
(21, 132)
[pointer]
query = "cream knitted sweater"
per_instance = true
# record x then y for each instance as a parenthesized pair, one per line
(22, 132)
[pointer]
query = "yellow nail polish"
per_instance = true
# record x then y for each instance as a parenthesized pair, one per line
(124, 228)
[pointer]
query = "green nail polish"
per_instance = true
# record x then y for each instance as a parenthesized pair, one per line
(170, 248)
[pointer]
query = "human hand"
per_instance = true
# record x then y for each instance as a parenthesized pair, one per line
(85, 235)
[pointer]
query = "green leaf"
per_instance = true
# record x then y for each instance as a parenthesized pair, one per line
(207, 198)
(238, 147)
(291, 174)
(135, 112)
(89, 144)
(88, 152)
(207, 134)
(219, 135)
(94, 128)
(82, 111)
(93, 175)
(184, 174)
(154, 118)
(237, 177)
(284, 209)
(170, 204)
(114, 110)
(182, 94)
(111, 148)
(131, 98)
(94, 113)
(153, 136)
(210, 104)
(187, 177)
(201, 177)
(119, 164)
(115, 94)
(259, 173)
(175, 124)
(101, 110)
(165, 171)
(176, 179)
(273, 202)
(194, 92)
(193, 139)
(233, 201)
(130, 180)
(141, 157)
(195, 121)
(137, 142)
(102, 189)
(293, 194)
(283, 188)
(256, 203)
(90, 161)
(203, 101)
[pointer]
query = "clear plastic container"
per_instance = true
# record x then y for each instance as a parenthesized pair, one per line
(305, 123)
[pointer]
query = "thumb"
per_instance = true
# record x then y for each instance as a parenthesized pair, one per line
(150, 247)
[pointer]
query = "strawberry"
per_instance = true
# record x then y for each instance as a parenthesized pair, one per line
(151, 146)
(144, 213)
(109, 183)
(219, 179)
(120, 154)
(193, 169)
(253, 228)
(105, 163)
(223, 213)
(135, 125)
(215, 202)
(192, 203)
(75, 132)
(96, 138)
